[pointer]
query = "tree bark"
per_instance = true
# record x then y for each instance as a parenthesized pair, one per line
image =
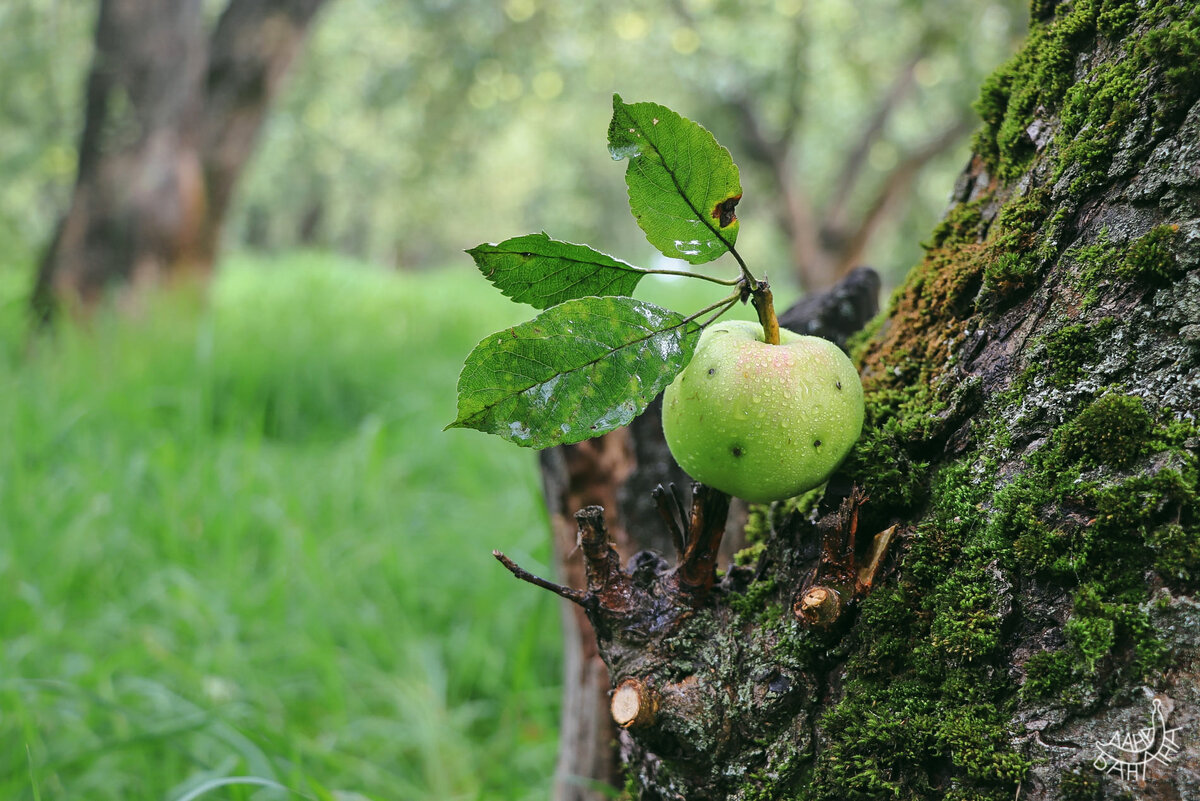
(1003, 576)
(170, 121)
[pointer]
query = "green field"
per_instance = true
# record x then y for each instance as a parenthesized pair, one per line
(235, 541)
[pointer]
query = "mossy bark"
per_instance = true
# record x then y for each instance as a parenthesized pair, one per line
(1033, 392)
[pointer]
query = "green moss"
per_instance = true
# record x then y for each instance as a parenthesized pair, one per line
(1104, 497)
(1046, 549)
(1080, 785)
(1047, 673)
(1038, 76)
(929, 721)
(1175, 48)
(1008, 275)
(753, 603)
(1022, 240)
(1041, 10)
(1063, 354)
(748, 556)
(1126, 531)
(1094, 111)
(1095, 114)
(963, 223)
(1176, 551)
(882, 466)
(1113, 430)
(1095, 264)
(1092, 635)
(762, 518)
(1150, 258)
(919, 691)
(758, 524)
(1097, 111)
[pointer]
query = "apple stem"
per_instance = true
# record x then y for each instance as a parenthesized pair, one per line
(764, 304)
(760, 296)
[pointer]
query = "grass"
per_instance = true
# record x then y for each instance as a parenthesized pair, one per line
(235, 542)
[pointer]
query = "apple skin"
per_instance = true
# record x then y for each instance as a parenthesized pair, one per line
(762, 422)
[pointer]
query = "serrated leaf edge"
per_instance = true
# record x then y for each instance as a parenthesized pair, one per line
(700, 215)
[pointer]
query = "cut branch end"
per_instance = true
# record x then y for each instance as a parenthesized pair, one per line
(633, 704)
(819, 606)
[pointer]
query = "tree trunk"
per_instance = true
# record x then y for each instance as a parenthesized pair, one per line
(1001, 583)
(170, 121)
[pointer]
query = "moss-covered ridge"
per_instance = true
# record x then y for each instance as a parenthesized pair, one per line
(1156, 71)
(1019, 392)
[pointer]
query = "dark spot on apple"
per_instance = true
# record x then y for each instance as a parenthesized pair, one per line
(712, 371)
(839, 385)
(817, 444)
(723, 211)
(736, 450)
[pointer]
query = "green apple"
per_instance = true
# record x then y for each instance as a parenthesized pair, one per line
(762, 422)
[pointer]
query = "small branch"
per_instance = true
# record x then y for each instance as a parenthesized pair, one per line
(879, 546)
(633, 704)
(600, 559)
(819, 606)
(574, 596)
(671, 512)
(747, 276)
(718, 313)
(706, 527)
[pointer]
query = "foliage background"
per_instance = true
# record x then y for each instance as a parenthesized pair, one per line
(414, 130)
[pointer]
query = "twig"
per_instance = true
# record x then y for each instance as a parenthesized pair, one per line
(666, 504)
(706, 527)
(574, 596)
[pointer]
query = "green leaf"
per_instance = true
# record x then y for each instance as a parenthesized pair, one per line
(575, 371)
(544, 272)
(683, 186)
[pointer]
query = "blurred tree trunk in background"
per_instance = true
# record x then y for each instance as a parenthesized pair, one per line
(172, 113)
(1032, 451)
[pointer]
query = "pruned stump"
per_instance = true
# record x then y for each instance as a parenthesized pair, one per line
(699, 684)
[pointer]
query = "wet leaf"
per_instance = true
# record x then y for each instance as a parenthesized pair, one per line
(544, 272)
(577, 370)
(683, 186)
